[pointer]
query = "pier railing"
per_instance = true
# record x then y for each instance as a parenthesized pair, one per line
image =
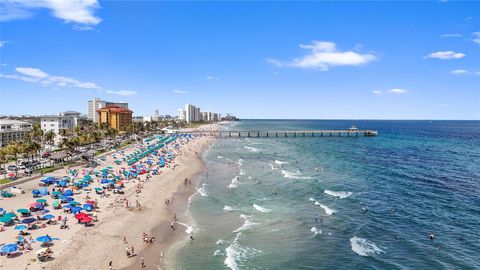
(286, 133)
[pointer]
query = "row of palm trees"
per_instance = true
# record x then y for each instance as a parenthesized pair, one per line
(85, 133)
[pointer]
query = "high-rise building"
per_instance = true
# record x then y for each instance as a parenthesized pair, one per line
(182, 116)
(115, 116)
(191, 113)
(156, 113)
(95, 104)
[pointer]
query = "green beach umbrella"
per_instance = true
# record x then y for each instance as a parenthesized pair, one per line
(11, 215)
(56, 203)
(23, 210)
(56, 193)
(5, 219)
(42, 201)
(73, 203)
(97, 188)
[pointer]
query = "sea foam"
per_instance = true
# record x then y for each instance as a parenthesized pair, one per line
(252, 149)
(247, 224)
(339, 194)
(279, 162)
(325, 208)
(203, 190)
(234, 183)
(364, 247)
(294, 175)
(236, 255)
(316, 231)
(261, 209)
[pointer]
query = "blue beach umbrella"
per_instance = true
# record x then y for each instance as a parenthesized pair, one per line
(104, 181)
(88, 207)
(76, 209)
(35, 192)
(44, 239)
(49, 216)
(20, 227)
(28, 220)
(68, 192)
(9, 248)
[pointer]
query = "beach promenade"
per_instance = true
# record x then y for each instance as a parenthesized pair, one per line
(102, 242)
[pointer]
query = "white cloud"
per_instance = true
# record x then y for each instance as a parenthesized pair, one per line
(377, 92)
(179, 91)
(397, 91)
(450, 35)
(35, 75)
(32, 72)
(459, 71)
(2, 43)
(445, 55)
(477, 73)
(323, 55)
(476, 38)
(125, 93)
(71, 11)
(212, 78)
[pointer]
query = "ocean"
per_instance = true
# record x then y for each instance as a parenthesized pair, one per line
(339, 202)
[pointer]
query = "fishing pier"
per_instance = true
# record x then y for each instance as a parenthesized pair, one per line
(285, 133)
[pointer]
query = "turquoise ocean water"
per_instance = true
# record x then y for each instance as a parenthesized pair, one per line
(340, 203)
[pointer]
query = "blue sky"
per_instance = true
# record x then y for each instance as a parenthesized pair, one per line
(319, 60)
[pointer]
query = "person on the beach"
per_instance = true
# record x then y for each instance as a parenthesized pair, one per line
(125, 239)
(143, 263)
(110, 265)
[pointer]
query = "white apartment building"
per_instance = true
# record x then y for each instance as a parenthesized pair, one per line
(192, 113)
(96, 104)
(210, 116)
(55, 123)
(12, 130)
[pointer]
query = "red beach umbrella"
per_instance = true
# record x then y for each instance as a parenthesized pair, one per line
(81, 216)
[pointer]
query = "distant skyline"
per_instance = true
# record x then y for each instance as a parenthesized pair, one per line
(265, 60)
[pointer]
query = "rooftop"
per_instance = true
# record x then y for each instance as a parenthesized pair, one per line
(115, 108)
(12, 122)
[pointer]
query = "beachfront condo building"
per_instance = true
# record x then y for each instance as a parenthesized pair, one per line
(12, 130)
(96, 104)
(57, 122)
(115, 116)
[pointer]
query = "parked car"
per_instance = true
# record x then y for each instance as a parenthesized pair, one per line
(21, 167)
(45, 154)
(29, 170)
(12, 168)
(3, 171)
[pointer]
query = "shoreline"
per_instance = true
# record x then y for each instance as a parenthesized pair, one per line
(94, 247)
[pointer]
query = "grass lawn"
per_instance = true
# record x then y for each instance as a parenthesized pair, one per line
(5, 181)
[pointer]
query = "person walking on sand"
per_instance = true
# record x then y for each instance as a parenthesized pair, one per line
(143, 263)
(110, 265)
(125, 239)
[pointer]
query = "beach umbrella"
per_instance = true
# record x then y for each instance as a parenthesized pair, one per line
(5, 219)
(86, 219)
(104, 181)
(11, 175)
(98, 189)
(76, 209)
(88, 207)
(42, 201)
(10, 214)
(9, 248)
(67, 206)
(55, 204)
(80, 215)
(73, 203)
(23, 211)
(44, 239)
(20, 227)
(43, 191)
(28, 220)
(68, 192)
(49, 216)
(35, 192)
(56, 193)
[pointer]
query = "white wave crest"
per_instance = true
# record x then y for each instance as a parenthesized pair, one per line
(272, 166)
(252, 149)
(339, 194)
(234, 183)
(294, 175)
(327, 210)
(261, 209)
(203, 190)
(220, 242)
(229, 208)
(247, 224)
(279, 162)
(219, 157)
(236, 254)
(242, 172)
(364, 247)
(316, 231)
(189, 229)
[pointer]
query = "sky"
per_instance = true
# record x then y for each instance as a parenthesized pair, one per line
(254, 59)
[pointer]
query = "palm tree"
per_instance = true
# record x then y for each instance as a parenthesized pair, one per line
(3, 154)
(49, 137)
(15, 148)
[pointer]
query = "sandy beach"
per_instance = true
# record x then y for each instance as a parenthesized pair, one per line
(93, 247)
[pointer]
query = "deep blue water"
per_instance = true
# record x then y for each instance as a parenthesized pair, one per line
(392, 191)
